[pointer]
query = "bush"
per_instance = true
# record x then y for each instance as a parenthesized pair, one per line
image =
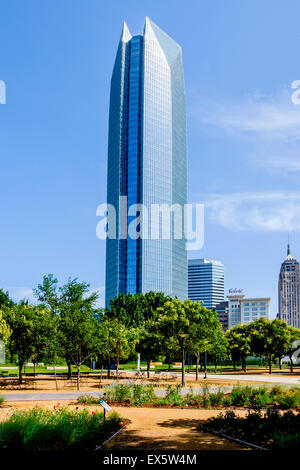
(2, 400)
(87, 400)
(240, 396)
(273, 430)
(173, 397)
(289, 399)
(137, 394)
(216, 398)
(118, 392)
(57, 429)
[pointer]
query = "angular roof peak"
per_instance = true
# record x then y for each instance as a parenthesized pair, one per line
(125, 35)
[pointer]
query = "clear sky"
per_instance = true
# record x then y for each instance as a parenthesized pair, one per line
(240, 58)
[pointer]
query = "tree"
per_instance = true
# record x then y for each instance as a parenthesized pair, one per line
(5, 300)
(77, 330)
(205, 333)
(121, 341)
(133, 310)
(149, 344)
(5, 330)
(69, 297)
(239, 343)
(269, 338)
(21, 319)
(293, 344)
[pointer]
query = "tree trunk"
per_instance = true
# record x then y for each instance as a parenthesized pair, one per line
(21, 372)
(270, 364)
(291, 363)
(197, 366)
(234, 366)
(101, 368)
(56, 385)
(34, 369)
(215, 366)
(78, 378)
(279, 362)
(69, 370)
(169, 366)
(148, 368)
(108, 368)
(244, 364)
(118, 360)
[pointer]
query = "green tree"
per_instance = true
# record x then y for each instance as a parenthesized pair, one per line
(293, 344)
(5, 300)
(63, 300)
(133, 310)
(239, 343)
(5, 330)
(121, 340)
(269, 338)
(149, 344)
(21, 320)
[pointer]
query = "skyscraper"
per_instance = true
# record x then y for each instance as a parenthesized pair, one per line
(147, 160)
(206, 281)
(289, 291)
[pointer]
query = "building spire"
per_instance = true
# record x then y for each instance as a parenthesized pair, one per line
(288, 246)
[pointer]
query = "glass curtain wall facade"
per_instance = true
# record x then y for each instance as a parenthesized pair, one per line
(147, 160)
(206, 281)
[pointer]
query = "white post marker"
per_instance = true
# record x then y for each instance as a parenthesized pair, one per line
(105, 406)
(139, 362)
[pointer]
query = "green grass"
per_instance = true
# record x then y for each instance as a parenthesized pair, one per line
(43, 369)
(57, 429)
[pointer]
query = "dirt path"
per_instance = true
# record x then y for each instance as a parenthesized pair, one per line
(169, 429)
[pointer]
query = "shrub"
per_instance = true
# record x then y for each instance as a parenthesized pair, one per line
(2, 400)
(57, 429)
(289, 399)
(87, 400)
(273, 430)
(240, 396)
(142, 394)
(118, 392)
(216, 398)
(173, 397)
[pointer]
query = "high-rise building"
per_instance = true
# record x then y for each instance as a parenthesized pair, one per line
(206, 281)
(147, 160)
(242, 310)
(222, 313)
(289, 291)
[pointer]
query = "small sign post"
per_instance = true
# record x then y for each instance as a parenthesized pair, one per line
(106, 407)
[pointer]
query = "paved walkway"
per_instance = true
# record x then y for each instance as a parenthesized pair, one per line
(169, 429)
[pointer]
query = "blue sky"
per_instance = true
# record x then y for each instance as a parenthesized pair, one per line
(240, 59)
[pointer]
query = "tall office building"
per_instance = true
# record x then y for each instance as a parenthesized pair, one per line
(289, 291)
(147, 160)
(206, 281)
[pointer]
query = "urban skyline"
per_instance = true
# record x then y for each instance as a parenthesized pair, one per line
(243, 161)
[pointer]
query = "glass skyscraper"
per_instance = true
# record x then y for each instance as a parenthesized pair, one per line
(147, 160)
(289, 291)
(206, 281)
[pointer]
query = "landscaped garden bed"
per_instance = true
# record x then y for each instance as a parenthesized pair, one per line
(256, 398)
(272, 430)
(57, 429)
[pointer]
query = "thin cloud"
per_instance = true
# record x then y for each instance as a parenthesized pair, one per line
(270, 122)
(256, 211)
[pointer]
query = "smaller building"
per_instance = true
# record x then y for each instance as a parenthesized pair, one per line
(242, 310)
(222, 312)
(206, 281)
